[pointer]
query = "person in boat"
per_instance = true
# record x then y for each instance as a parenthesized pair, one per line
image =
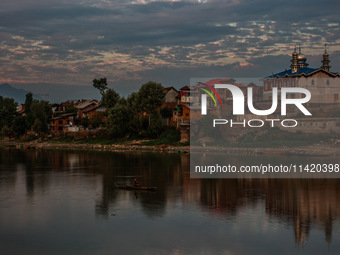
(137, 183)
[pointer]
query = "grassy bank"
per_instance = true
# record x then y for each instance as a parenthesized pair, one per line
(169, 137)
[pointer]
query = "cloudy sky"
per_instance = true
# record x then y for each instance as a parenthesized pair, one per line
(54, 43)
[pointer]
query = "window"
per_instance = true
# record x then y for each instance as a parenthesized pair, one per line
(336, 97)
(327, 83)
(187, 114)
(313, 82)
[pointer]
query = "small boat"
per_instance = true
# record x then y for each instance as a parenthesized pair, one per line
(132, 187)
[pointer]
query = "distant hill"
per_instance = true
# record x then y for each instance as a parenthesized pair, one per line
(19, 95)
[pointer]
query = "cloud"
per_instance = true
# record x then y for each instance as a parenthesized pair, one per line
(131, 41)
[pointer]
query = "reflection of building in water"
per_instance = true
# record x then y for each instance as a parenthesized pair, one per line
(323, 84)
(303, 203)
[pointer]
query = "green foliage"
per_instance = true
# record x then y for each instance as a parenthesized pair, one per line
(41, 113)
(96, 120)
(19, 125)
(100, 84)
(28, 112)
(8, 110)
(149, 99)
(85, 122)
(151, 96)
(170, 136)
(39, 126)
(70, 109)
(166, 112)
(155, 125)
(109, 98)
(137, 119)
(119, 118)
(133, 103)
(5, 131)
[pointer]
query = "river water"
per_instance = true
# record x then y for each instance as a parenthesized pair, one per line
(63, 202)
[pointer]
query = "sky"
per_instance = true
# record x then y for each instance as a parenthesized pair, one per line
(51, 44)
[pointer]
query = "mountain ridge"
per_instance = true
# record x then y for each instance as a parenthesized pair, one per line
(19, 95)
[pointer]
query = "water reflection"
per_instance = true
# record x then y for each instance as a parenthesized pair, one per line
(301, 204)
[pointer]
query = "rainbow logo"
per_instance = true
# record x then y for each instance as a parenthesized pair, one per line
(203, 86)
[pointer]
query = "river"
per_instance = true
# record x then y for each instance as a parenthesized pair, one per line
(64, 202)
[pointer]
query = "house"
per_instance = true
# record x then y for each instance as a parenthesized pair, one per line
(83, 106)
(170, 102)
(57, 124)
(96, 112)
(94, 109)
(188, 104)
(170, 99)
(323, 84)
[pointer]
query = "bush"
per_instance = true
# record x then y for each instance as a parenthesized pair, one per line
(170, 136)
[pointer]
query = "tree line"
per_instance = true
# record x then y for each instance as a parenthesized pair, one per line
(139, 114)
(36, 117)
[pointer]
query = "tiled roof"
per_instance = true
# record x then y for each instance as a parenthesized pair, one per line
(95, 107)
(301, 71)
(85, 104)
(169, 88)
(63, 116)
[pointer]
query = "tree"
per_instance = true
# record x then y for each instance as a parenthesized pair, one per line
(85, 122)
(8, 110)
(70, 109)
(100, 84)
(28, 112)
(166, 112)
(109, 98)
(119, 118)
(155, 126)
(41, 112)
(151, 96)
(39, 126)
(96, 120)
(19, 125)
(137, 119)
(5, 131)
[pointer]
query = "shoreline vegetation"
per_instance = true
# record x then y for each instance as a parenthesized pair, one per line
(320, 149)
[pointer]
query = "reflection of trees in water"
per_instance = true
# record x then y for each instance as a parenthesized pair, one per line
(303, 203)
(153, 169)
(29, 161)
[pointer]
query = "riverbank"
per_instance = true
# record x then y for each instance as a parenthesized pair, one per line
(323, 150)
(132, 146)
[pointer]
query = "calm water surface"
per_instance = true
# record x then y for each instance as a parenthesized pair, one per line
(57, 202)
